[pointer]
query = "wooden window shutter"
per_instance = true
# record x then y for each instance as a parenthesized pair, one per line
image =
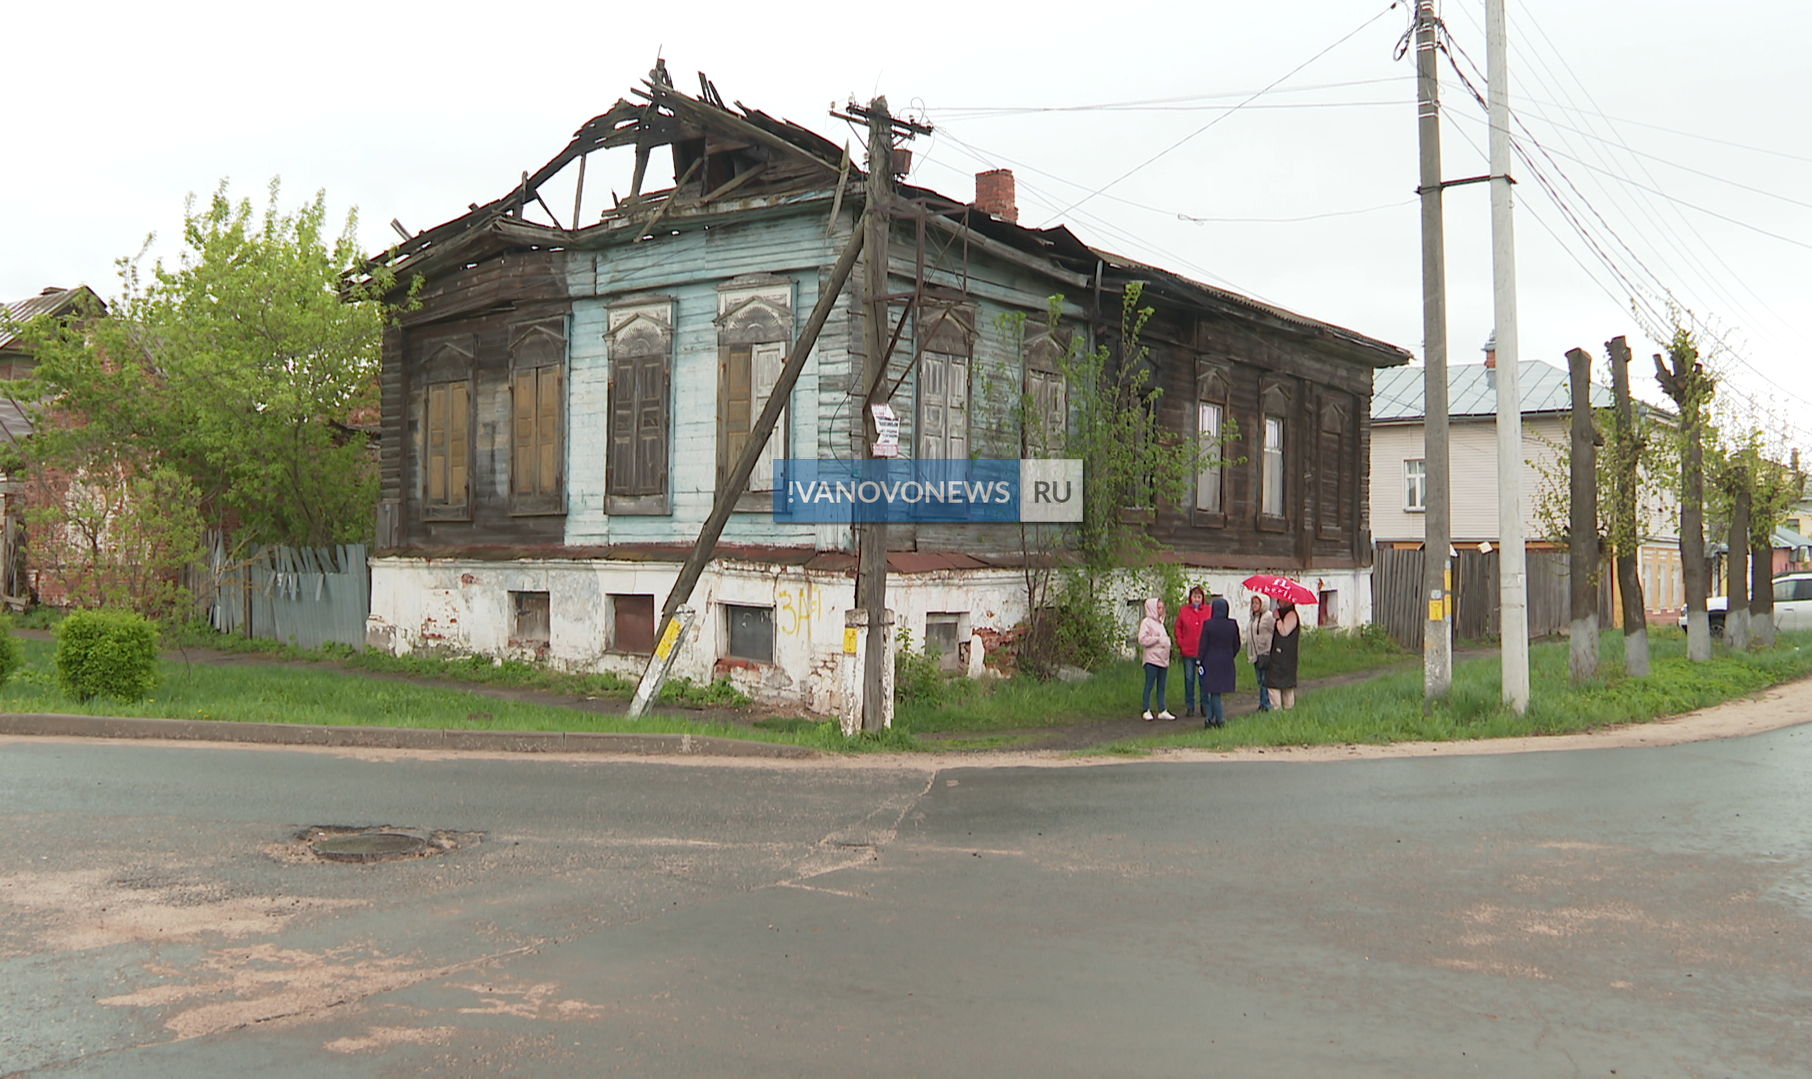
(765, 362)
(523, 458)
(735, 409)
(437, 442)
(547, 431)
(459, 425)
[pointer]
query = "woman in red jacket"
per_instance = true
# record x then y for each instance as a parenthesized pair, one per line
(1189, 636)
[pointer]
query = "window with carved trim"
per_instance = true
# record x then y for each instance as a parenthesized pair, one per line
(1276, 454)
(943, 384)
(754, 327)
(1047, 394)
(1272, 465)
(1214, 432)
(446, 432)
(641, 413)
(1332, 467)
(537, 420)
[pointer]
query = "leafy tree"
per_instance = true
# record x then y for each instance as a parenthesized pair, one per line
(244, 367)
(1685, 378)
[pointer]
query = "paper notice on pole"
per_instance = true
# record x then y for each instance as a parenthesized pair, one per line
(887, 449)
(884, 411)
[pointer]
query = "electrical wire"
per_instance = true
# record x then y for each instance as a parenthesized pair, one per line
(1198, 131)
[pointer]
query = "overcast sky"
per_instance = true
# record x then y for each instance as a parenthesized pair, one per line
(1656, 122)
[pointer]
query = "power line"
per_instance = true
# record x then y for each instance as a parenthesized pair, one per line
(1159, 101)
(1193, 134)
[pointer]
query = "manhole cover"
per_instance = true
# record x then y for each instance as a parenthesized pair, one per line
(369, 846)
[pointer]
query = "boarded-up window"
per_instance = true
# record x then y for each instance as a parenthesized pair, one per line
(632, 623)
(943, 385)
(754, 325)
(533, 619)
(1047, 395)
(641, 351)
(1332, 468)
(448, 456)
(537, 455)
(750, 632)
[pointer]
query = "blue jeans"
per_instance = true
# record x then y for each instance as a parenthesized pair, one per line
(1216, 714)
(1191, 675)
(1264, 693)
(1155, 676)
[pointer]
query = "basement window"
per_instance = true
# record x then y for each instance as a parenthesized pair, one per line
(750, 632)
(632, 623)
(533, 619)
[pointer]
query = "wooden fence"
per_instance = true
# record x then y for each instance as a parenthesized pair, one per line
(1400, 607)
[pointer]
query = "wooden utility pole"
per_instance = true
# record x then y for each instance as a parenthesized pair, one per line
(1736, 569)
(669, 640)
(1685, 381)
(871, 551)
(1626, 530)
(1513, 581)
(1582, 529)
(1437, 522)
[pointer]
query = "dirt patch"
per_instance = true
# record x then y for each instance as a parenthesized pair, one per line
(383, 1037)
(94, 908)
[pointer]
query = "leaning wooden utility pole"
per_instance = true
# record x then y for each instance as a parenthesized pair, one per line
(871, 551)
(673, 621)
(1582, 527)
(1513, 581)
(1626, 530)
(1437, 520)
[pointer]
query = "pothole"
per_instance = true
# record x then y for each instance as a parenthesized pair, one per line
(366, 845)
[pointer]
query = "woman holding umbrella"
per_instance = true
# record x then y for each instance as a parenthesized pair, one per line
(1286, 636)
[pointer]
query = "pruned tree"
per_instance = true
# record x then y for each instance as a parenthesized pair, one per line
(1625, 443)
(1685, 379)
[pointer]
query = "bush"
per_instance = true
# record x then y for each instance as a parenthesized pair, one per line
(916, 673)
(107, 654)
(12, 655)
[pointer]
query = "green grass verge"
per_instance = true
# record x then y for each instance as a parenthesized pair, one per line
(1389, 708)
(1115, 691)
(332, 697)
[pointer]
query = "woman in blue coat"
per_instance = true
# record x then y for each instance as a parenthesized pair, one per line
(1216, 655)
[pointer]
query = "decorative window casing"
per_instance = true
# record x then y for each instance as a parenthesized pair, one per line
(754, 329)
(1334, 463)
(538, 417)
(943, 384)
(1274, 449)
(1046, 395)
(1213, 395)
(1415, 485)
(447, 423)
(641, 406)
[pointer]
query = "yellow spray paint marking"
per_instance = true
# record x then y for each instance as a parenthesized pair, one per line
(849, 640)
(668, 637)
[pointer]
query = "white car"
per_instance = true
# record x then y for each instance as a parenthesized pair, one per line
(1792, 605)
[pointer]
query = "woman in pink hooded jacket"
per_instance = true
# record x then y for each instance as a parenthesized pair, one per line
(1154, 641)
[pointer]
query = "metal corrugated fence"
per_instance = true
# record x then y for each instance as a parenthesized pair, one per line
(305, 596)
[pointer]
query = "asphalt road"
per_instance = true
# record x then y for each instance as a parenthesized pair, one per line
(1637, 912)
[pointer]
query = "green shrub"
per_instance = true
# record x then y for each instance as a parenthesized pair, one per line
(916, 673)
(12, 654)
(107, 654)
(685, 692)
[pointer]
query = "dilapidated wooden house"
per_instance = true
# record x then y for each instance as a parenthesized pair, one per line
(563, 400)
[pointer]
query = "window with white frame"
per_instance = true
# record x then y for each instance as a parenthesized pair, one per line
(1272, 466)
(1415, 485)
(1210, 421)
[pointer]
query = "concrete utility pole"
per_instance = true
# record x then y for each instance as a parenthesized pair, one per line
(1623, 492)
(1437, 524)
(1513, 587)
(871, 551)
(1582, 524)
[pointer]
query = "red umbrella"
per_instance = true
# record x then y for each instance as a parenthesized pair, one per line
(1280, 588)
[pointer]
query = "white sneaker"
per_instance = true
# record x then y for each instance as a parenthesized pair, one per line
(1148, 717)
(1165, 715)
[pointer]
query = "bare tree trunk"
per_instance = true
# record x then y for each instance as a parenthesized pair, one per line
(1736, 576)
(1582, 541)
(1628, 536)
(1761, 594)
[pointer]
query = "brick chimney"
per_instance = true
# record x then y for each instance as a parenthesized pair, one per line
(1491, 351)
(995, 194)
